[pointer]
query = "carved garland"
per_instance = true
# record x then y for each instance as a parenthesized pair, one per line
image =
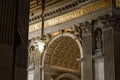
(110, 21)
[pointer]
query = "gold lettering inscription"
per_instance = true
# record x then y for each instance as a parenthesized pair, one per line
(74, 14)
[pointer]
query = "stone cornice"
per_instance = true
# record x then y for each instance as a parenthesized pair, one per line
(57, 11)
(74, 14)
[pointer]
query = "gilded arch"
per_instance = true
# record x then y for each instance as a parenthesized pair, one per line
(62, 53)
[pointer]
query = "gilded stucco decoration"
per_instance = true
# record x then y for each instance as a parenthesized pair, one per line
(34, 52)
(62, 53)
(97, 5)
(31, 55)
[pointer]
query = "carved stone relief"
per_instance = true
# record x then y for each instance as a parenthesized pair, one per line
(78, 32)
(33, 50)
(86, 26)
(110, 21)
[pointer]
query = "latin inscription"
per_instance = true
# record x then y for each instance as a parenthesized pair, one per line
(74, 14)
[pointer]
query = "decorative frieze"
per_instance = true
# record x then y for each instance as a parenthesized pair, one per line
(72, 15)
(59, 10)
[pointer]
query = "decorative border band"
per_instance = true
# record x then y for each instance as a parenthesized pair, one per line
(72, 15)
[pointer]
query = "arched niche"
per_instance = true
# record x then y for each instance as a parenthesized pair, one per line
(98, 57)
(97, 41)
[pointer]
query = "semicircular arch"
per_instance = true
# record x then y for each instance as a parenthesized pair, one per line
(62, 52)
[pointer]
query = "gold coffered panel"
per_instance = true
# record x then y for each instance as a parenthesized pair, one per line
(62, 54)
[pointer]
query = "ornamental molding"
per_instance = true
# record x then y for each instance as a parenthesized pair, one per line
(110, 21)
(68, 6)
(97, 5)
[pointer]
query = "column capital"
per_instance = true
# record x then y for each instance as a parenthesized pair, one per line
(86, 27)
